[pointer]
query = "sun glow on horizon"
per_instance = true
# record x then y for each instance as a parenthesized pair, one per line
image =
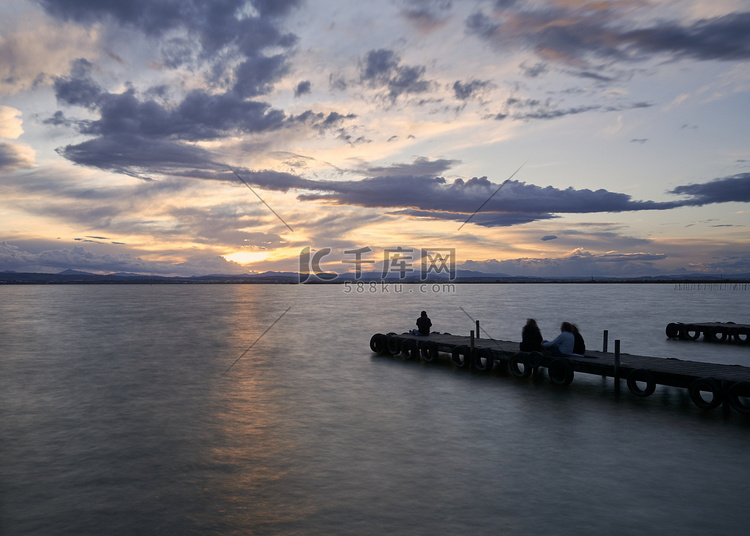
(247, 257)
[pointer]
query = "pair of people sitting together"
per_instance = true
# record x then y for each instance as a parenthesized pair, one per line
(569, 342)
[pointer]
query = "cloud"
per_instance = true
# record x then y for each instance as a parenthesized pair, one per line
(56, 260)
(236, 45)
(381, 68)
(485, 219)
(719, 38)
(576, 263)
(425, 195)
(546, 238)
(14, 157)
(427, 15)
(33, 48)
(725, 190)
(216, 25)
(532, 109)
(461, 198)
(11, 124)
(153, 209)
(471, 89)
(139, 156)
(137, 135)
(199, 116)
(581, 36)
(303, 88)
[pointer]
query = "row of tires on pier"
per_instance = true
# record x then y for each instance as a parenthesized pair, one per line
(705, 393)
(723, 333)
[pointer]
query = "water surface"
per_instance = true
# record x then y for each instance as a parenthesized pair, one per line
(118, 415)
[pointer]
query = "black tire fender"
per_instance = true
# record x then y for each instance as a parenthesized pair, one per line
(379, 344)
(737, 392)
(641, 375)
(409, 349)
(461, 356)
(741, 335)
(673, 330)
(520, 359)
(705, 384)
(394, 344)
(690, 332)
(483, 359)
(718, 334)
(428, 350)
(560, 371)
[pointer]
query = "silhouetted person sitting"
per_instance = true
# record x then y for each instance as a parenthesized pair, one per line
(564, 343)
(531, 337)
(579, 347)
(424, 324)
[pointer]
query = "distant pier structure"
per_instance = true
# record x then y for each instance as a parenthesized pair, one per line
(711, 331)
(716, 285)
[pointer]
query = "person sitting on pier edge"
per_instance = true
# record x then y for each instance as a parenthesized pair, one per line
(563, 344)
(579, 347)
(424, 324)
(531, 337)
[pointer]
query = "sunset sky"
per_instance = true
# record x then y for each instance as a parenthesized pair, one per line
(624, 124)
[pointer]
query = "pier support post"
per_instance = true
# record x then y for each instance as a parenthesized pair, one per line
(472, 342)
(617, 366)
(477, 332)
(605, 340)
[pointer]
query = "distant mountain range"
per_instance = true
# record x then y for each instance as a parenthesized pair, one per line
(462, 276)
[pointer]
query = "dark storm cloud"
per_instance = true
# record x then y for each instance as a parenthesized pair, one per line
(13, 158)
(430, 196)
(230, 37)
(137, 134)
(79, 89)
(137, 155)
(381, 68)
(719, 38)
(256, 75)
(462, 198)
(214, 24)
(725, 190)
(577, 35)
(200, 116)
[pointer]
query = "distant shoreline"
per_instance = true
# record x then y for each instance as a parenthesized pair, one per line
(19, 278)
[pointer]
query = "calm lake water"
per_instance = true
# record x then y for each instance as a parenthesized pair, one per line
(174, 409)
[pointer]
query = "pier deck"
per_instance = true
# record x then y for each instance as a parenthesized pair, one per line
(709, 384)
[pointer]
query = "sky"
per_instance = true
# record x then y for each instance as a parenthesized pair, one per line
(538, 138)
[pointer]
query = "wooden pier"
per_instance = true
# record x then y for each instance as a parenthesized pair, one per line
(712, 331)
(709, 385)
